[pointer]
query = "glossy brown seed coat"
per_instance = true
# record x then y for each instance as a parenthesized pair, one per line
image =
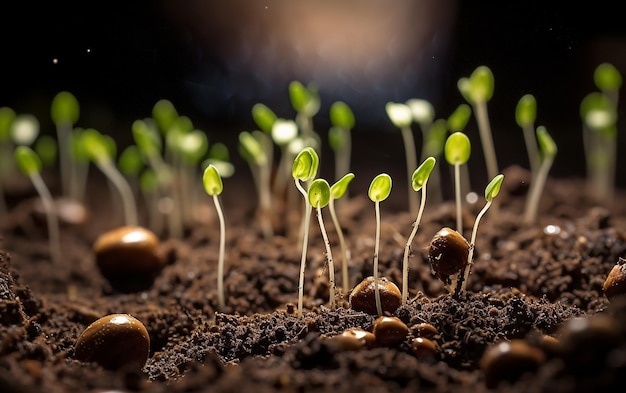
(447, 253)
(424, 330)
(389, 330)
(509, 360)
(114, 341)
(354, 339)
(363, 298)
(615, 283)
(423, 347)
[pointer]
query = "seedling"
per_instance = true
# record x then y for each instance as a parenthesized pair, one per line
(419, 181)
(608, 79)
(491, 191)
(402, 117)
(379, 190)
(435, 143)
(30, 165)
(304, 169)
(25, 129)
(283, 133)
(424, 115)
(101, 151)
(149, 186)
(319, 197)
(525, 116)
(339, 136)
(457, 121)
(338, 190)
(478, 90)
(46, 148)
(65, 112)
(213, 186)
(548, 151)
(7, 115)
(457, 151)
(306, 101)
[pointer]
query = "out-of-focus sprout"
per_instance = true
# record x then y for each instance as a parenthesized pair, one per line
(457, 121)
(306, 101)
(419, 181)
(525, 116)
(131, 164)
(379, 190)
(283, 133)
(65, 112)
(304, 169)
(338, 190)
(402, 117)
(164, 114)
(478, 90)
(25, 129)
(46, 148)
(213, 186)
(100, 150)
(608, 80)
(30, 164)
(339, 136)
(80, 166)
(435, 142)
(319, 197)
(548, 151)
(149, 186)
(7, 163)
(457, 151)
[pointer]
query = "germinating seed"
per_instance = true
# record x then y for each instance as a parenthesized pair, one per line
(354, 339)
(362, 297)
(424, 348)
(389, 331)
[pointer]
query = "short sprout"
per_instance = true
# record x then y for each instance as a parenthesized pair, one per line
(399, 114)
(212, 181)
(213, 186)
(380, 188)
(457, 149)
(264, 117)
(305, 164)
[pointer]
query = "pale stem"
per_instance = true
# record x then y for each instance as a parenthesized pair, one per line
(220, 261)
(486, 139)
(470, 255)
(64, 131)
(342, 244)
(532, 203)
(82, 174)
(342, 157)
(155, 218)
(457, 191)
(3, 202)
(329, 258)
(407, 248)
(118, 180)
(265, 201)
(305, 240)
(531, 147)
(282, 173)
(411, 164)
(379, 307)
(51, 217)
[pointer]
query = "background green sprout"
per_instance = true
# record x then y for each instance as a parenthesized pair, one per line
(284, 131)
(379, 190)
(30, 165)
(457, 152)
(7, 164)
(548, 151)
(306, 101)
(525, 116)
(338, 190)
(339, 136)
(419, 180)
(213, 186)
(319, 197)
(65, 112)
(46, 148)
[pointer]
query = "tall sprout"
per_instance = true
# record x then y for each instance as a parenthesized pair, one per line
(284, 131)
(304, 169)
(379, 190)
(457, 151)
(213, 186)
(548, 151)
(457, 121)
(419, 180)
(402, 117)
(306, 101)
(319, 197)
(30, 164)
(525, 116)
(435, 143)
(478, 90)
(338, 190)
(339, 136)
(65, 112)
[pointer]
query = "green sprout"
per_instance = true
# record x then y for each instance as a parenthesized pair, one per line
(457, 151)
(30, 165)
(548, 151)
(46, 148)
(319, 197)
(65, 112)
(25, 129)
(525, 116)
(252, 150)
(419, 180)
(164, 113)
(478, 90)
(149, 186)
(131, 164)
(306, 101)
(608, 79)
(379, 190)
(101, 151)
(339, 136)
(338, 190)
(304, 169)
(456, 122)
(491, 191)
(213, 186)
(402, 117)
(435, 143)
(7, 165)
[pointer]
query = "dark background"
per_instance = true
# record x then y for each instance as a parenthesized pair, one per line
(215, 59)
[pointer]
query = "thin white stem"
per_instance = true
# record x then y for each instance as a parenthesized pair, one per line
(51, 217)
(486, 140)
(220, 261)
(305, 241)
(126, 193)
(265, 201)
(407, 248)
(379, 307)
(64, 132)
(457, 191)
(532, 203)
(470, 255)
(530, 140)
(411, 164)
(345, 279)
(329, 258)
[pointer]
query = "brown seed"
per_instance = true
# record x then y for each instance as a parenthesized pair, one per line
(507, 361)
(615, 283)
(354, 339)
(447, 253)
(127, 257)
(425, 330)
(423, 347)
(114, 341)
(389, 330)
(363, 298)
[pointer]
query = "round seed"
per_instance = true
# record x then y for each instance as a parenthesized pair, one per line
(389, 331)
(424, 330)
(354, 339)
(363, 298)
(507, 361)
(447, 253)
(114, 341)
(423, 347)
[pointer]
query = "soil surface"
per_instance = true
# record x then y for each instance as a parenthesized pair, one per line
(539, 283)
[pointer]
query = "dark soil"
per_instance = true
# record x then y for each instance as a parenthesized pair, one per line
(528, 281)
